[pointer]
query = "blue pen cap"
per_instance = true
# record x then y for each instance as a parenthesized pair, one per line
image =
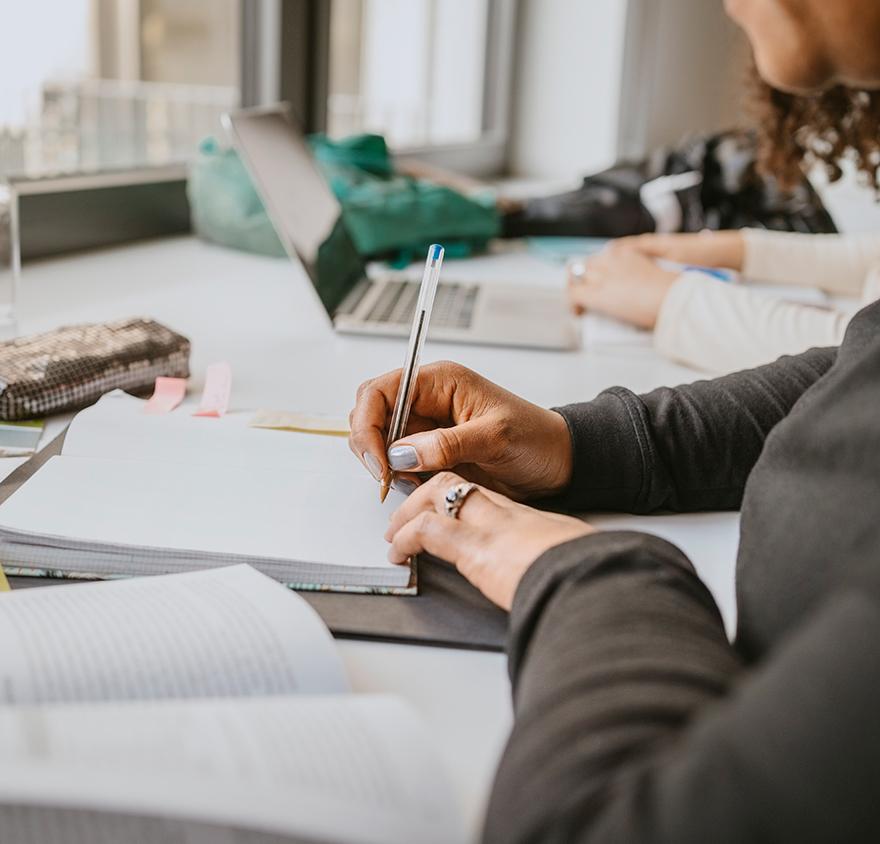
(435, 250)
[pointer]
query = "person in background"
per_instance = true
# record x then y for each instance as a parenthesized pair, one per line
(719, 327)
(635, 719)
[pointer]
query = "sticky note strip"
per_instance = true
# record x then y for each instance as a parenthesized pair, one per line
(4, 583)
(168, 393)
(305, 423)
(218, 388)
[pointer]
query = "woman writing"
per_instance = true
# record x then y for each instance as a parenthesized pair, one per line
(635, 719)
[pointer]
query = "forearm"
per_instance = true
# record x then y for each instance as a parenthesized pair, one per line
(636, 721)
(721, 328)
(835, 263)
(687, 448)
(614, 645)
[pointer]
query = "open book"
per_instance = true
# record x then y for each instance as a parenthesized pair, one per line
(135, 494)
(208, 707)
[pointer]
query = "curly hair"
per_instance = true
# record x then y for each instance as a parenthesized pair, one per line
(797, 132)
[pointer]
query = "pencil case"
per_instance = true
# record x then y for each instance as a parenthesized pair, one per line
(72, 367)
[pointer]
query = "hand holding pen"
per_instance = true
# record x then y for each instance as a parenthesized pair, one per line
(417, 334)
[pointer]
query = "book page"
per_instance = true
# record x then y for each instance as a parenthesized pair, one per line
(343, 768)
(117, 427)
(218, 508)
(222, 632)
(38, 824)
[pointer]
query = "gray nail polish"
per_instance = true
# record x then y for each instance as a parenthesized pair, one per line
(404, 486)
(403, 457)
(373, 465)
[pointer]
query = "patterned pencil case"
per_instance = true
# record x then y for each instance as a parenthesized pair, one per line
(72, 367)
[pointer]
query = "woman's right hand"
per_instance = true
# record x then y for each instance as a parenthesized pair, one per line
(724, 249)
(460, 421)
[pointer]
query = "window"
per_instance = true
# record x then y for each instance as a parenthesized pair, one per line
(114, 83)
(412, 69)
(114, 96)
(426, 74)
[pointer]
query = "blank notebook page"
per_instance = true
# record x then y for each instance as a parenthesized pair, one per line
(222, 507)
(117, 427)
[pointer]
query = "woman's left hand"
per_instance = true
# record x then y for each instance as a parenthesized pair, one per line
(492, 542)
(620, 282)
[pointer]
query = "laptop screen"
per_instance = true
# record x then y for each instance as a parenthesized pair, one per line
(305, 213)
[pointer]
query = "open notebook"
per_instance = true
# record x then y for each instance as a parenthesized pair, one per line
(135, 494)
(204, 707)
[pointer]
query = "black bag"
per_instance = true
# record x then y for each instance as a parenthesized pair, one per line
(731, 195)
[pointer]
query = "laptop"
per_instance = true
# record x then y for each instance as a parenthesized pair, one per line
(310, 224)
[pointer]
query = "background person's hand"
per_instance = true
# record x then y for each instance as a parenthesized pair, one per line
(462, 421)
(492, 543)
(724, 249)
(619, 282)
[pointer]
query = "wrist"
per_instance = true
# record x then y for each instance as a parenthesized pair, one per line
(728, 249)
(561, 463)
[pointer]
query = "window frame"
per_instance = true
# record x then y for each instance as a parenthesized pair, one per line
(300, 76)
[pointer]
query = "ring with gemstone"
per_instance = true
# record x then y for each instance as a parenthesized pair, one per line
(578, 269)
(455, 498)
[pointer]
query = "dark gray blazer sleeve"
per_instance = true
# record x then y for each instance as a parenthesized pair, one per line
(636, 721)
(685, 448)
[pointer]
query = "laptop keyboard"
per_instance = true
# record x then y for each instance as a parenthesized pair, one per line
(453, 305)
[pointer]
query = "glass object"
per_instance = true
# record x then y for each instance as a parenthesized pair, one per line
(412, 70)
(114, 83)
(9, 263)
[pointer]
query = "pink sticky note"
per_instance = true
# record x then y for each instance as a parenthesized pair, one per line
(168, 393)
(218, 386)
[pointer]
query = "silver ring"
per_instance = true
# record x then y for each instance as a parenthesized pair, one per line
(455, 498)
(578, 269)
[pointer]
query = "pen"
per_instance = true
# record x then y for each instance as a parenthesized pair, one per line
(417, 334)
(721, 275)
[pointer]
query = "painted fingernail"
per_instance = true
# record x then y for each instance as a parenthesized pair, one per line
(373, 465)
(403, 485)
(403, 457)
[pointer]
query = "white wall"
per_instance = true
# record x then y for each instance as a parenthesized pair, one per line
(597, 80)
(566, 86)
(685, 71)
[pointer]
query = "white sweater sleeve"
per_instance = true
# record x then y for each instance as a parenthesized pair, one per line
(834, 263)
(717, 327)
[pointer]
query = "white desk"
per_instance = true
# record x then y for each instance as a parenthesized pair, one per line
(261, 316)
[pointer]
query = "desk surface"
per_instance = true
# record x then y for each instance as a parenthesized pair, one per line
(261, 315)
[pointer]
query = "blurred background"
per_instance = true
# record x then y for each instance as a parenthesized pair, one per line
(535, 88)
(529, 95)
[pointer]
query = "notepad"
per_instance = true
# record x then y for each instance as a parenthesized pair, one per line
(208, 706)
(135, 494)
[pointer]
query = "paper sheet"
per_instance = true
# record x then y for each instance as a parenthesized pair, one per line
(116, 426)
(215, 633)
(307, 423)
(354, 769)
(168, 393)
(223, 508)
(218, 389)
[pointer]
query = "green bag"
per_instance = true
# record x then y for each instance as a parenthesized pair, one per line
(224, 206)
(388, 215)
(396, 216)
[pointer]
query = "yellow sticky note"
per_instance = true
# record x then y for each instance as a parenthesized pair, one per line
(304, 423)
(4, 583)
